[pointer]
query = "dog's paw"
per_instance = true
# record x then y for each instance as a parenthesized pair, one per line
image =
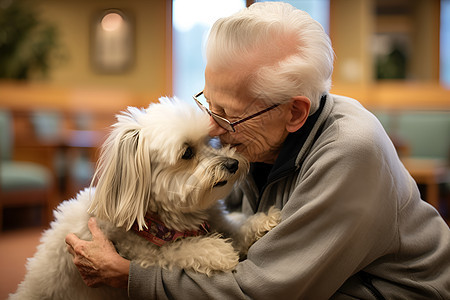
(221, 256)
(263, 223)
(258, 225)
(204, 255)
(270, 221)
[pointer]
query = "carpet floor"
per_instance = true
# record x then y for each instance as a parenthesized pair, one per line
(15, 247)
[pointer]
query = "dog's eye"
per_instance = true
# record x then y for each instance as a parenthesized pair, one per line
(188, 153)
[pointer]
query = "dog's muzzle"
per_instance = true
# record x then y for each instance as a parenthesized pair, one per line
(231, 165)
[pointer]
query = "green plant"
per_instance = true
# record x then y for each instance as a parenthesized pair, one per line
(28, 45)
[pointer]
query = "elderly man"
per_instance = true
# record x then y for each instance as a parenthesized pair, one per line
(353, 224)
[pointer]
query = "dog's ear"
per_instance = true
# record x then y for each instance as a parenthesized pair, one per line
(123, 179)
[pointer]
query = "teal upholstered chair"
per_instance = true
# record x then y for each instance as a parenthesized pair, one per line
(428, 136)
(21, 183)
(427, 132)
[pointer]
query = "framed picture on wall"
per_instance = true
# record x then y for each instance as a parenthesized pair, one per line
(112, 41)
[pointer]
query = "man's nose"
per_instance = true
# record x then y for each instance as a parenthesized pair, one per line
(215, 129)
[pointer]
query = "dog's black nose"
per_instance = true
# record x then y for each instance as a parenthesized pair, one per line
(231, 165)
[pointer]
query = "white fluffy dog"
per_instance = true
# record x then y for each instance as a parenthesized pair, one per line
(156, 198)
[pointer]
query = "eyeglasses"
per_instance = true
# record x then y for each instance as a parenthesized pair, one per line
(224, 123)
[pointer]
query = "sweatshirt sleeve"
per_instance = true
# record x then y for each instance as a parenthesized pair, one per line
(341, 216)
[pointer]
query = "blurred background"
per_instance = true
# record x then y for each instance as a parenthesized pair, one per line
(67, 67)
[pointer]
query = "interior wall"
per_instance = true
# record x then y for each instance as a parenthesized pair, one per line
(426, 40)
(351, 28)
(351, 25)
(151, 69)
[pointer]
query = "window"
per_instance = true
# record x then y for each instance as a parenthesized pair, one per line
(192, 20)
(319, 10)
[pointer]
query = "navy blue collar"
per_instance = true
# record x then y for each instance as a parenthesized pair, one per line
(286, 160)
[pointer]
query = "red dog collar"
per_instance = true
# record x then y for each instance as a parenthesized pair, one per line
(158, 233)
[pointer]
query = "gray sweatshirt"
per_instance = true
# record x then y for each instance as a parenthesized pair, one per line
(353, 223)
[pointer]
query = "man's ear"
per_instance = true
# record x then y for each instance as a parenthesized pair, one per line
(299, 111)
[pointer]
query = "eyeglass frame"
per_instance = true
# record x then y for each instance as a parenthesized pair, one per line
(230, 124)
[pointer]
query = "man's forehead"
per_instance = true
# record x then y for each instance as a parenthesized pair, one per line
(226, 99)
(225, 78)
(230, 89)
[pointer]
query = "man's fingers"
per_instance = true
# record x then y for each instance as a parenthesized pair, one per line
(95, 230)
(70, 250)
(72, 239)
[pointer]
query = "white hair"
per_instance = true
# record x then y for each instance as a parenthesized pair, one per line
(290, 52)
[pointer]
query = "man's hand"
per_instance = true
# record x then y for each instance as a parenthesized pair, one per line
(97, 260)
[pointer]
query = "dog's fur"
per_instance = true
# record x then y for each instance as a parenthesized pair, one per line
(155, 161)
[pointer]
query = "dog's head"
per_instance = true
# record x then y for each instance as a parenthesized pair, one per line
(160, 158)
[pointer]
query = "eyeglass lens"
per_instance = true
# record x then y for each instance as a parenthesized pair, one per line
(219, 120)
(201, 98)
